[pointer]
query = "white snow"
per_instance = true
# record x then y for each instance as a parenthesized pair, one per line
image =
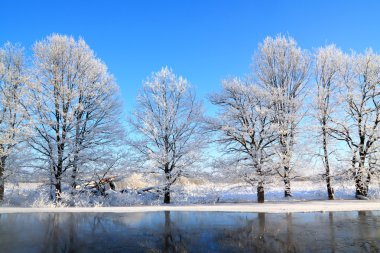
(268, 207)
(188, 193)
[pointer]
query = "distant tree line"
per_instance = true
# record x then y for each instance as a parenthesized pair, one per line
(63, 109)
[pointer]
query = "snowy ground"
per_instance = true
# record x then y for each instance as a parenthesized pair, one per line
(269, 207)
(187, 193)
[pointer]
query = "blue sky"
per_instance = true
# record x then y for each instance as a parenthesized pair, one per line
(205, 41)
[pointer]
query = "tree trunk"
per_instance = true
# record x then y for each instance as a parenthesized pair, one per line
(2, 181)
(360, 181)
(330, 190)
(287, 192)
(168, 184)
(58, 188)
(1, 184)
(1, 187)
(286, 164)
(73, 180)
(167, 195)
(360, 185)
(74, 175)
(260, 193)
(1, 190)
(368, 181)
(52, 185)
(79, 137)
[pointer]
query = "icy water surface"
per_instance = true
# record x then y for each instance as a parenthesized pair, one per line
(190, 232)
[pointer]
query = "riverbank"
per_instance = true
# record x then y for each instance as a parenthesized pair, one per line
(268, 207)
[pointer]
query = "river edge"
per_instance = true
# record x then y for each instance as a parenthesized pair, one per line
(267, 207)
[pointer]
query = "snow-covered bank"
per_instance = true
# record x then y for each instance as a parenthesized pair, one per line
(268, 207)
(209, 193)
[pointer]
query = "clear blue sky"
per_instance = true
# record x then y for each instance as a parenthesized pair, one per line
(205, 41)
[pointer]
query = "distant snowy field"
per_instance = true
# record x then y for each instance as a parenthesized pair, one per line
(186, 192)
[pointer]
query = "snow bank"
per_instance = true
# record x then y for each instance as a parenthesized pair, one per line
(268, 207)
(34, 195)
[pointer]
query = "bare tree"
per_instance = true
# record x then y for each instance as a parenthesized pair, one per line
(328, 66)
(359, 127)
(281, 67)
(167, 123)
(12, 113)
(73, 106)
(97, 126)
(244, 126)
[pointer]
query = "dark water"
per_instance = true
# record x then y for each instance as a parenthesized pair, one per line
(190, 232)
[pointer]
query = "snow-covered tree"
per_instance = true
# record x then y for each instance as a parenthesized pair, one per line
(167, 126)
(329, 62)
(282, 68)
(244, 126)
(359, 127)
(74, 109)
(12, 113)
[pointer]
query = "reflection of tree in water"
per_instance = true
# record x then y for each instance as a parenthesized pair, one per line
(289, 243)
(170, 240)
(371, 223)
(302, 233)
(99, 224)
(257, 236)
(51, 237)
(54, 234)
(191, 232)
(332, 232)
(71, 232)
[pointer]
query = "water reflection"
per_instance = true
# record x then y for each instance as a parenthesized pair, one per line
(332, 232)
(190, 232)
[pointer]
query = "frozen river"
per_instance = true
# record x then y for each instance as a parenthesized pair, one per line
(190, 232)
